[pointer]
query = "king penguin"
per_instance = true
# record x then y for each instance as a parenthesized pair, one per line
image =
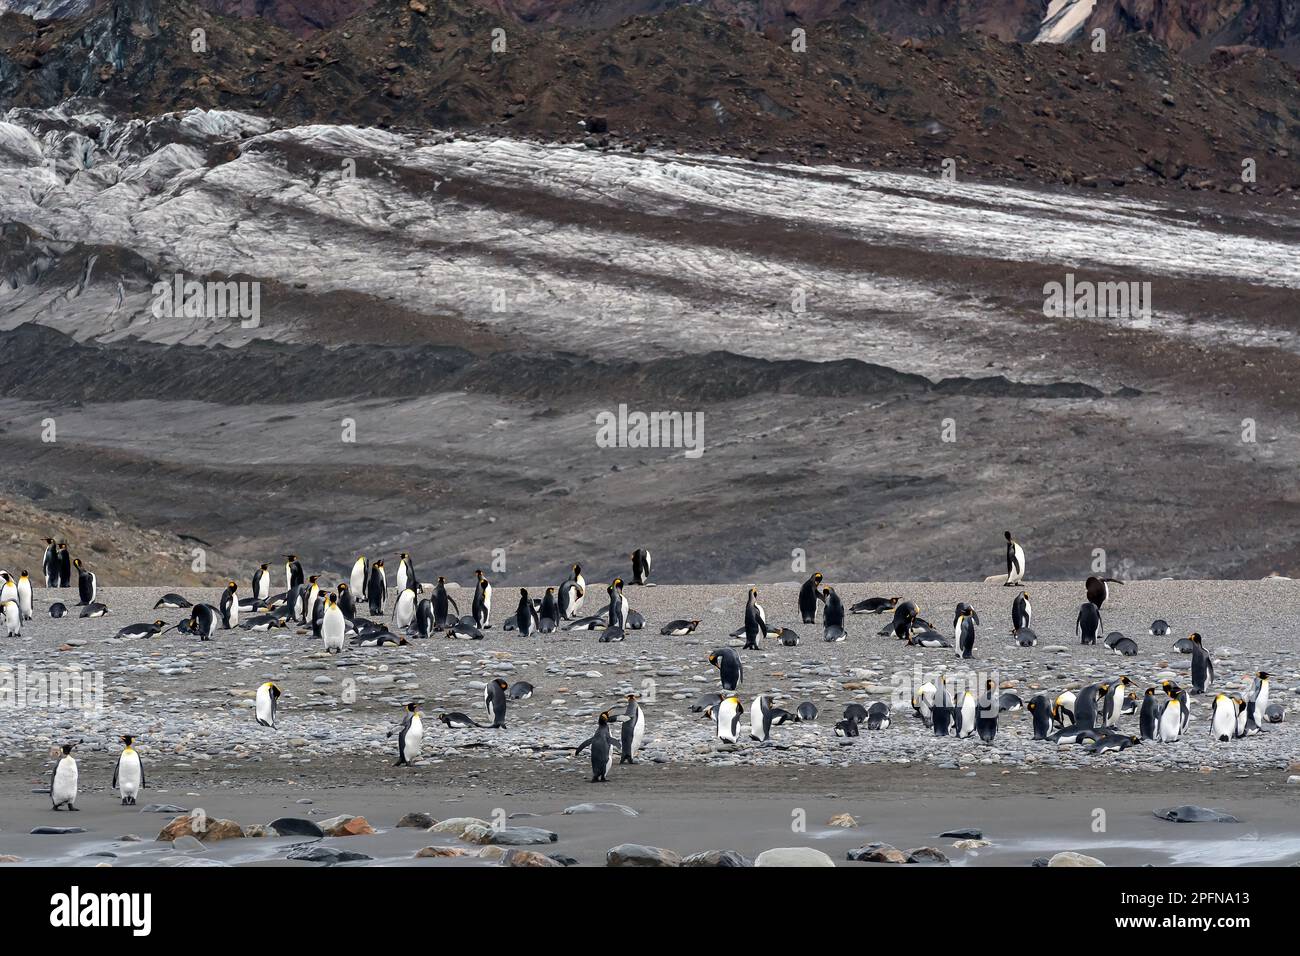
(266, 700)
(730, 670)
(1015, 562)
(50, 564)
(527, 620)
(409, 736)
(377, 587)
(1022, 613)
(1223, 719)
(1202, 666)
(632, 731)
(262, 583)
(482, 607)
(494, 698)
(833, 617)
(443, 604)
(128, 774)
(65, 565)
(1257, 703)
(293, 575)
(1088, 624)
(728, 713)
(1170, 726)
(360, 576)
(809, 594)
(641, 567)
(1149, 714)
(333, 625)
(602, 750)
(1040, 710)
(24, 590)
(87, 583)
(229, 606)
(755, 621)
(63, 783)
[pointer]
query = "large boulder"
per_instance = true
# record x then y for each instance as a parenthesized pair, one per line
(793, 856)
(634, 854)
(202, 828)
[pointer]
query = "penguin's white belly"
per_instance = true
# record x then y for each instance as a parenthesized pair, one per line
(1225, 722)
(128, 774)
(756, 720)
(65, 782)
(1171, 723)
(13, 619)
(332, 629)
(25, 600)
(234, 612)
(358, 579)
(638, 731)
(264, 706)
(414, 738)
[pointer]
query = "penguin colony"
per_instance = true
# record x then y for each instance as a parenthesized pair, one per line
(1090, 717)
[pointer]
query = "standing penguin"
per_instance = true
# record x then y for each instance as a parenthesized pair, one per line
(1113, 703)
(1040, 710)
(25, 596)
(443, 604)
(128, 774)
(406, 574)
(602, 750)
(494, 698)
(986, 714)
(229, 606)
(293, 575)
(262, 583)
(359, 578)
(50, 564)
(345, 601)
(64, 565)
(548, 615)
(482, 607)
(1223, 719)
(203, 621)
(730, 670)
(572, 592)
(809, 594)
(1170, 725)
(760, 718)
(1015, 561)
(1257, 703)
(333, 625)
(1088, 624)
(63, 783)
(1098, 591)
(1202, 666)
(377, 587)
(527, 620)
(964, 715)
(728, 714)
(1085, 706)
(266, 700)
(1022, 613)
(833, 617)
(618, 607)
(1149, 714)
(404, 608)
(12, 618)
(641, 566)
(755, 621)
(409, 736)
(963, 633)
(632, 731)
(87, 583)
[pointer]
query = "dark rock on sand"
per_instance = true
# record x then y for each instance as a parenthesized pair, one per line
(1191, 814)
(296, 826)
(529, 858)
(965, 833)
(877, 853)
(329, 855)
(634, 854)
(520, 836)
(421, 820)
(927, 854)
(57, 831)
(717, 858)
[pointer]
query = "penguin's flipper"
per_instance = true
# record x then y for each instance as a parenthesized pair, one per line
(582, 746)
(113, 785)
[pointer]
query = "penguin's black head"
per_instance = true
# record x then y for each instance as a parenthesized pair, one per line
(1032, 705)
(713, 658)
(67, 749)
(403, 555)
(1194, 637)
(265, 566)
(577, 569)
(1150, 692)
(343, 586)
(441, 579)
(76, 563)
(232, 585)
(413, 707)
(478, 572)
(618, 583)
(1134, 740)
(1262, 675)
(48, 540)
(159, 623)
(523, 592)
(502, 684)
(291, 557)
(311, 578)
(127, 739)
(550, 590)
(1007, 535)
(604, 718)
(631, 696)
(817, 576)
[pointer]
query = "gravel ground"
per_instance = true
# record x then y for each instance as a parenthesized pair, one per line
(193, 701)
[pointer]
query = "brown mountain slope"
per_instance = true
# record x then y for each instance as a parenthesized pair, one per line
(684, 79)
